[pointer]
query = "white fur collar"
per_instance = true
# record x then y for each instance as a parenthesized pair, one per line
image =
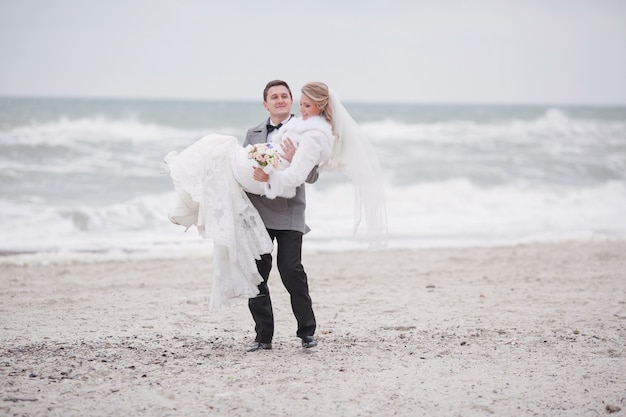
(313, 122)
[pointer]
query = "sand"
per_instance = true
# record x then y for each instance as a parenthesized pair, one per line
(526, 330)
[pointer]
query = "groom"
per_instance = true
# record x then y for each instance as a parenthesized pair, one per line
(284, 220)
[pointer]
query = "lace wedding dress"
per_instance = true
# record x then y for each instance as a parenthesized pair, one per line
(211, 198)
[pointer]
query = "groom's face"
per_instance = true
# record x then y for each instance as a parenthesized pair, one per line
(278, 102)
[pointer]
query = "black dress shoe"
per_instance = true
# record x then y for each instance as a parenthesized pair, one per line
(259, 346)
(309, 342)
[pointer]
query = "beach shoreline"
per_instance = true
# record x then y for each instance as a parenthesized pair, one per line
(528, 329)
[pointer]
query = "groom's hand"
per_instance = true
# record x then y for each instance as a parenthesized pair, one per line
(288, 148)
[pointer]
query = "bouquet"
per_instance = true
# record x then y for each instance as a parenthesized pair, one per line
(264, 154)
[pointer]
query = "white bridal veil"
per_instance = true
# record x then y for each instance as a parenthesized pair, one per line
(354, 155)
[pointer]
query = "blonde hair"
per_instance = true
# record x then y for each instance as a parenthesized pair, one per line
(320, 95)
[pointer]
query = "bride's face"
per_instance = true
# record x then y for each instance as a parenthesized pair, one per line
(308, 108)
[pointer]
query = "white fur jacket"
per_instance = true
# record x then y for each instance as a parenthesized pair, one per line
(314, 141)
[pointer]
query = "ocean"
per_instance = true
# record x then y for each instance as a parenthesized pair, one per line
(85, 176)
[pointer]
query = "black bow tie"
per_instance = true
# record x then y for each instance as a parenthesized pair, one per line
(272, 127)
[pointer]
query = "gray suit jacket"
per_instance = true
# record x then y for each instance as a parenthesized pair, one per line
(279, 213)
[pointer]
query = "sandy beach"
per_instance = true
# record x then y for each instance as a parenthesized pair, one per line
(525, 330)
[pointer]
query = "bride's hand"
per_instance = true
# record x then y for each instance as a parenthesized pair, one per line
(260, 175)
(288, 148)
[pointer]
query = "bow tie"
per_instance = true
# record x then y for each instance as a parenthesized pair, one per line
(270, 127)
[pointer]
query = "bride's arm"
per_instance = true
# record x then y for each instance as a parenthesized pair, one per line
(289, 150)
(283, 183)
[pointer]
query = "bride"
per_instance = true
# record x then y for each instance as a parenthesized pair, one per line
(211, 178)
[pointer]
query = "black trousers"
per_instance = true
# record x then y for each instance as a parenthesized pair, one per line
(289, 262)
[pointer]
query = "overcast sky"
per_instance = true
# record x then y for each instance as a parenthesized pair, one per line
(439, 51)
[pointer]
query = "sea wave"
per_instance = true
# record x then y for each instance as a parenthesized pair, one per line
(94, 183)
(451, 211)
(554, 123)
(92, 130)
(551, 126)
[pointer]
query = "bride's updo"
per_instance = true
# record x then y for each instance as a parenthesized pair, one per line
(319, 94)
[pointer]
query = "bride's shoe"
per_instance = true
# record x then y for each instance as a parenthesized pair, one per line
(185, 213)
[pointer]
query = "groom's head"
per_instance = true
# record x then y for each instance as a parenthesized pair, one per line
(277, 100)
(276, 83)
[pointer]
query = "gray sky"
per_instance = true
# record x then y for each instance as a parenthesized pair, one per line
(450, 51)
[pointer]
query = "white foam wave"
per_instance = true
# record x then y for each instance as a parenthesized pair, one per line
(94, 130)
(450, 213)
(554, 124)
(458, 209)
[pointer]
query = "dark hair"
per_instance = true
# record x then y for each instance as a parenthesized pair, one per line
(274, 84)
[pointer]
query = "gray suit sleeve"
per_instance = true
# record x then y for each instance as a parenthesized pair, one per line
(313, 175)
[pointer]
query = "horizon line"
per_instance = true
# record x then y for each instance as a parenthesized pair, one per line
(363, 102)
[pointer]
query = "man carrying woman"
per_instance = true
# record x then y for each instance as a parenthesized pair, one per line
(244, 204)
(284, 220)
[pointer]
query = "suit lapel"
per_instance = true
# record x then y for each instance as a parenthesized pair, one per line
(259, 133)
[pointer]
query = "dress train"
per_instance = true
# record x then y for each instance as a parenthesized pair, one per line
(210, 197)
